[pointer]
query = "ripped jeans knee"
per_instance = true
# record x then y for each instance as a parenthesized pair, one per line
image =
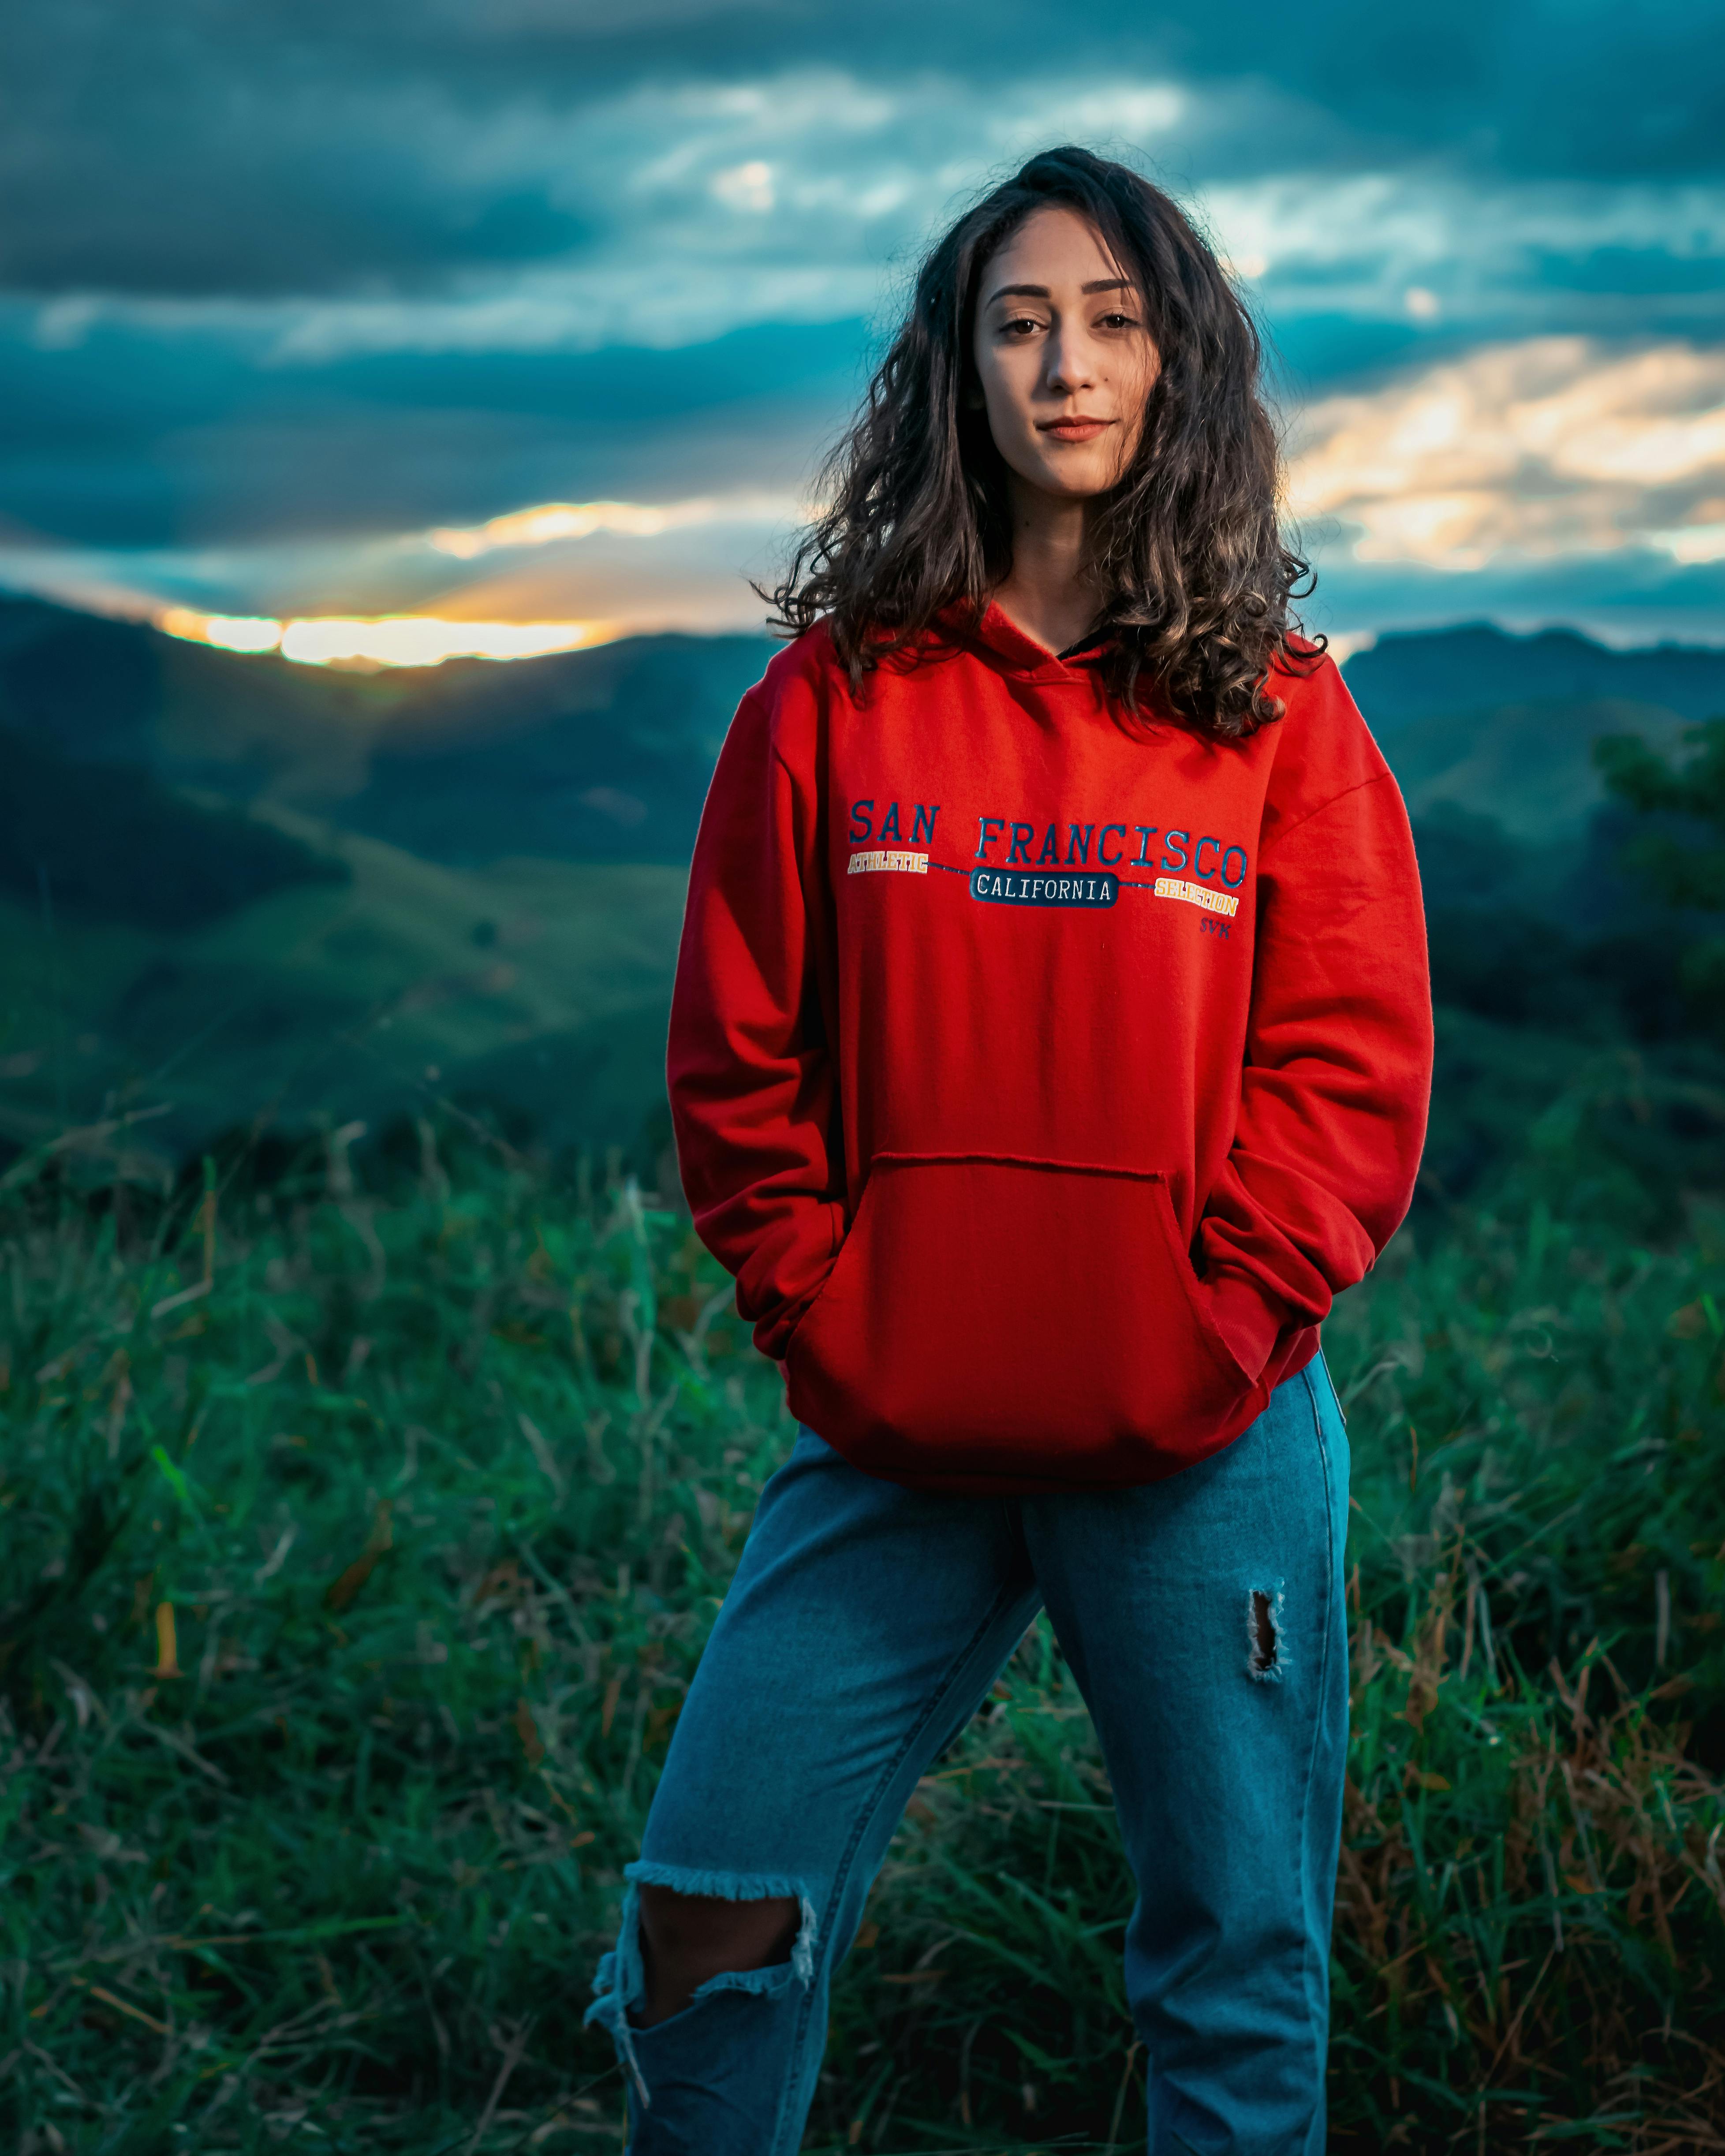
(698, 2045)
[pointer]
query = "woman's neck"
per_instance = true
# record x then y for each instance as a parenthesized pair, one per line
(1046, 592)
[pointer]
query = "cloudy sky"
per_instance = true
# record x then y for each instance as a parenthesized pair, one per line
(541, 311)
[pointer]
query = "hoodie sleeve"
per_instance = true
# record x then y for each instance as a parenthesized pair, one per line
(752, 1095)
(1337, 1074)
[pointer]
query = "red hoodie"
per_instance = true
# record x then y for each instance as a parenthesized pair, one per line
(1042, 1082)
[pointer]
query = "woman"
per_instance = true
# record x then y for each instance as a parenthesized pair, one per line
(1051, 1041)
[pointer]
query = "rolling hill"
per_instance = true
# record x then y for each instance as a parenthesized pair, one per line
(534, 984)
(600, 755)
(603, 755)
(1503, 725)
(592, 756)
(231, 887)
(1425, 674)
(106, 842)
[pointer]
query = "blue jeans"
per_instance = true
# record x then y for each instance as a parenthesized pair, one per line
(1203, 1617)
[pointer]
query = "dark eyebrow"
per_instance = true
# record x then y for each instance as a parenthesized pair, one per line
(1040, 291)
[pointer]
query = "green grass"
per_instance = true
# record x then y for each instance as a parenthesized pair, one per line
(358, 1536)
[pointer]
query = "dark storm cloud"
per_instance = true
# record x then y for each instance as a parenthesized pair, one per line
(131, 440)
(183, 152)
(251, 146)
(285, 283)
(1568, 88)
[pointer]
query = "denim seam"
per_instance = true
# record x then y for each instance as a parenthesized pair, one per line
(865, 1815)
(1331, 1567)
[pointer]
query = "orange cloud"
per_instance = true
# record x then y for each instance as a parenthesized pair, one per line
(1552, 446)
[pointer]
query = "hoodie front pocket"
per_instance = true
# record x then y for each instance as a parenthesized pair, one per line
(999, 1323)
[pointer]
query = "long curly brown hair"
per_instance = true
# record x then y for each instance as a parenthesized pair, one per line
(1192, 573)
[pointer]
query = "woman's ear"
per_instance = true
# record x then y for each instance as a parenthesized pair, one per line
(974, 400)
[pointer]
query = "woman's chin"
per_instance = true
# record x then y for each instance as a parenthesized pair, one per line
(1072, 478)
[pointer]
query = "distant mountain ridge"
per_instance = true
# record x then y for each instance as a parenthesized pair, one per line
(599, 755)
(235, 887)
(587, 755)
(604, 755)
(1410, 674)
(1501, 725)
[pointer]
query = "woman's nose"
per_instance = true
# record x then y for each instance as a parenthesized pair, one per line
(1070, 365)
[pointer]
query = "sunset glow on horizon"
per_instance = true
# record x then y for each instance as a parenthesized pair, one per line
(547, 523)
(380, 640)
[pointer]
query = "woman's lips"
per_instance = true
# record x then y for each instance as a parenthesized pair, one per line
(1073, 430)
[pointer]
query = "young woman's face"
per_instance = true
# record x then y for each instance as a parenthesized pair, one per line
(1064, 356)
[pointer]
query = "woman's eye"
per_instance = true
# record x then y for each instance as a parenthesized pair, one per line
(1120, 321)
(1020, 324)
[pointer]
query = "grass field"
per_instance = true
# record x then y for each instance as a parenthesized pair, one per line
(358, 1535)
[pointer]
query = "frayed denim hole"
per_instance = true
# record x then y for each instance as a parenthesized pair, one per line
(622, 1979)
(761, 1982)
(718, 1886)
(1266, 1657)
(778, 1975)
(802, 1952)
(621, 1983)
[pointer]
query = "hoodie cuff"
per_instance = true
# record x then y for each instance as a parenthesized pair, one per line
(799, 1259)
(1250, 1325)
